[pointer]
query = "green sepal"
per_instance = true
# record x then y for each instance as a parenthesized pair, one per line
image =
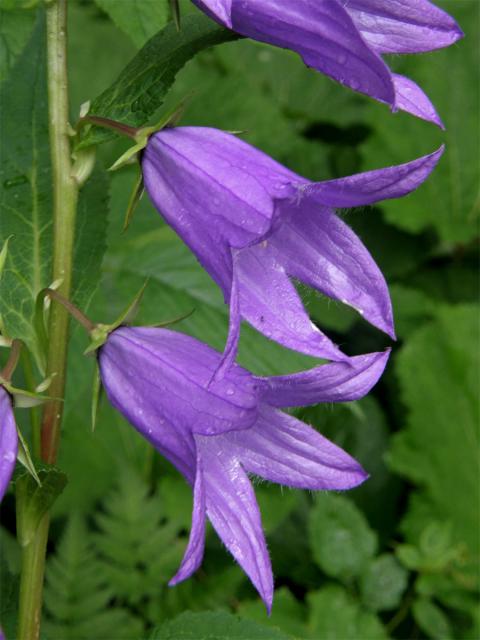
(40, 332)
(142, 136)
(98, 337)
(96, 393)
(135, 197)
(23, 399)
(175, 9)
(83, 164)
(25, 458)
(34, 501)
(168, 323)
(4, 340)
(101, 332)
(3, 254)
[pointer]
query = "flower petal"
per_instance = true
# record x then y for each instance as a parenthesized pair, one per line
(198, 175)
(373, 186)
(171, 375)
(285, 450)
(410, 98)
(219, 10)
(139, 402)
(269, 302)
(334, 382)
(8, 441)
(231, 347)
(325, 36)
(319, 249)
(403, 26)
(196, 544)
(233, 511)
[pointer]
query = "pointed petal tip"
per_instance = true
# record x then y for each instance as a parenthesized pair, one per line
(357, 476)
(177, 578)
(268, 605)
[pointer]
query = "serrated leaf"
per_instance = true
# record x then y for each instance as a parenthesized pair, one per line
(25, 188)
(449, 201)
(141, 87)
(26, 201)
(340, 537)
(214, 626)
(139, 19)
(336, 616)
(382, 583)
(437, 449)
(33, 501)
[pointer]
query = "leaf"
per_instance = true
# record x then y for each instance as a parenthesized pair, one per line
(449, 201)
(33, 501)
(139, 19)
(340, 538)
(214, 626)
(139, 551)
(26, 201)
(431, 619)
(382, 583)
(437, 449)
(90, 237)
(25, 188)
(411, 308)
(336, 616)
(77, 595)
(141, 86)
(288, 613)
(15, 28)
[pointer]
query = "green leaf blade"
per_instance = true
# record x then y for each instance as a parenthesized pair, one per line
(214, 626)
(141, 87)
(341, 540)
(25, 188)
(443, 416)
(139, 19)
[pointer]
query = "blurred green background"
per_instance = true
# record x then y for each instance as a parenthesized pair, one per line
(396, 558)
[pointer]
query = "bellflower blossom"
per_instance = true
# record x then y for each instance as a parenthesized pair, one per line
(253, 224)
(8, 441)
(216, 432)
(345, 39)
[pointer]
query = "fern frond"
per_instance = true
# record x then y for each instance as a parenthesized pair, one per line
(139, 551)
(78, 597)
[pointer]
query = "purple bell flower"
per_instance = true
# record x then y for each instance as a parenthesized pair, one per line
(345, 39)
(253, 225)
(8, 441)
(216, 432)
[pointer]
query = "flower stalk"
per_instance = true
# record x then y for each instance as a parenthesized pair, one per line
(65, 194)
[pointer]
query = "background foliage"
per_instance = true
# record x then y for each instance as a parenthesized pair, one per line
(396, 558)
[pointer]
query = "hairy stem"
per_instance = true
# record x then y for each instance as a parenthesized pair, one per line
(65, 193)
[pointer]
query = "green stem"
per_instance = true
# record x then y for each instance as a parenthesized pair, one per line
(65, 194)
(33, 567)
